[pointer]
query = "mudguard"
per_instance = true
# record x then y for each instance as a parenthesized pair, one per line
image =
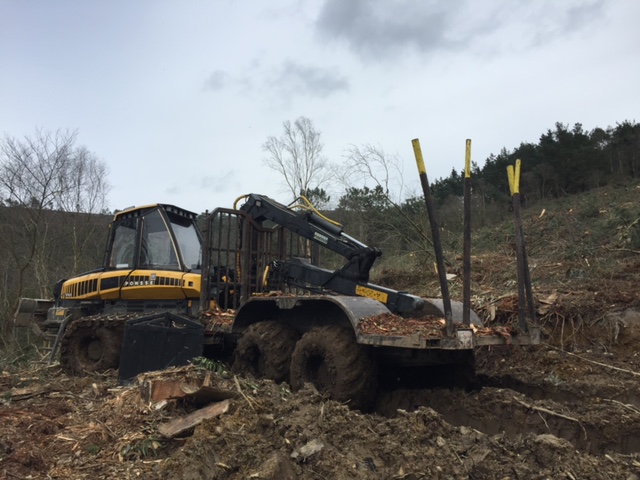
(315, 307)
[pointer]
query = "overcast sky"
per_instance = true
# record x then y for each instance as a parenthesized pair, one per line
(177, 97)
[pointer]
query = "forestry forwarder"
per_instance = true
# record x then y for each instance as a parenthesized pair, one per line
(255, 280)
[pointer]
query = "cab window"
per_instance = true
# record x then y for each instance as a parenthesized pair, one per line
(157, 250)
(124, 244)
(188, 239)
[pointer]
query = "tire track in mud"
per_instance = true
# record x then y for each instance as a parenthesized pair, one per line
(593, 423)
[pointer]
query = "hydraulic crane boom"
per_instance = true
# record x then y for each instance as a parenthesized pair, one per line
(311, 225)
(350, 279)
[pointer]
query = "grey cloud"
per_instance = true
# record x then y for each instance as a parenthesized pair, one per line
(578, 16)
(310, 81)
(382, 29)
(218, 183)
(560, 19)
(174, 189)
(217, 80)
(290, 78)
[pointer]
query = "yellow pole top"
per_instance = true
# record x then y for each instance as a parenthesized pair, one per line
(467, 159)
(418, 153)
(517, 177)
(511, 176)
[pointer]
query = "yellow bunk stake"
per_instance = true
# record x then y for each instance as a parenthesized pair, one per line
(524, 278)
(435, 236)
(466, 256)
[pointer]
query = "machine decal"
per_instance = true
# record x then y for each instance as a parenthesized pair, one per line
(320, 238)
(371, 293)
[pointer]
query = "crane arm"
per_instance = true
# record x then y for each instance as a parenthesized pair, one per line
(311, 225)
(351, 279)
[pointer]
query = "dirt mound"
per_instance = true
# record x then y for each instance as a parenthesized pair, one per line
(535, 413)
(310, 437)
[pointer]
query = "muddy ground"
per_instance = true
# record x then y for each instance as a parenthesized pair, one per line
(535, 412)
(566, 409)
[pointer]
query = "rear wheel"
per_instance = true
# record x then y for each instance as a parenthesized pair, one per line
(91, 346)
(330, 359)
(465, 371)
(264, 350)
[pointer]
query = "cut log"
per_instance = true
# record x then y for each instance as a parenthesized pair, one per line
(183, 424)
(25, 393)
(156, 390)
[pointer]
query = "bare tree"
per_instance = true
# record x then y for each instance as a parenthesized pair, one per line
(40, 177)
(83, 193)
(297, 156)
(83, 182)
(371, 163)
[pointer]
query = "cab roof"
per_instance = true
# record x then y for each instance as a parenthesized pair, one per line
(130, 212)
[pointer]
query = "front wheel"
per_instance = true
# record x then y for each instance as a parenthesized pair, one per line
(330, 359)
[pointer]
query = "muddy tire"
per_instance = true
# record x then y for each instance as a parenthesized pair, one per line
(91, 345)
(330, 359)
(465, 371)
(264, 351)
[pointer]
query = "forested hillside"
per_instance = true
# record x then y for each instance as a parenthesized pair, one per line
(563, 162)
(40, 248)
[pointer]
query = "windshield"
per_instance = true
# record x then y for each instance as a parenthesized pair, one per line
(157, 249)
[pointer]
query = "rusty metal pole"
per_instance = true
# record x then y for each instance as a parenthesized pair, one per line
(466, 256)
(435, 236)
(514, 186)
(525, 258)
